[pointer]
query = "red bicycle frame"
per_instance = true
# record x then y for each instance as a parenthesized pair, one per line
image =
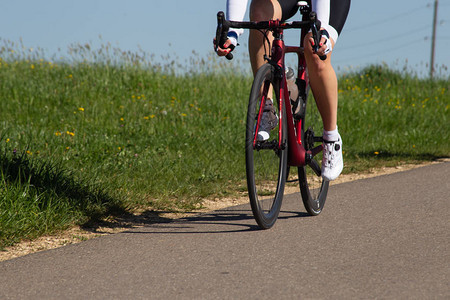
(297, 155)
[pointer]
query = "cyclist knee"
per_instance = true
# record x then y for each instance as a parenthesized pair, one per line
(314, 61)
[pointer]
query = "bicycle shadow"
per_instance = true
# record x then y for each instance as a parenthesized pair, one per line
(231, 220)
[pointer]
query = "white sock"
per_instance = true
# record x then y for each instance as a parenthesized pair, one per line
(331, 136)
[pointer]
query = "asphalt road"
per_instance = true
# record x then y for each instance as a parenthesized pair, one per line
(385, 237)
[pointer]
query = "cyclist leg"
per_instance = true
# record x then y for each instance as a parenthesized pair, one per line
(324, 85)
(264, 10)
(332, 14)
(261, 10)
(323, 82)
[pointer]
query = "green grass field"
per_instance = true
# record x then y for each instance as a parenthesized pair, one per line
(103, 134)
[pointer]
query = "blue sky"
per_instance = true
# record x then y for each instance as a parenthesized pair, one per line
(376, 31)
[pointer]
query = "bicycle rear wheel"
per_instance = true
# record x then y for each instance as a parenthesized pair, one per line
(266, 162)
(313, 187)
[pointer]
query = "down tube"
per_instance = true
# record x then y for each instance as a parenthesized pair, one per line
(296, 153)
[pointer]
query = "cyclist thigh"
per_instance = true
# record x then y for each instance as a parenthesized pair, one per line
(332, 12)
(288, 8)
(264, 10)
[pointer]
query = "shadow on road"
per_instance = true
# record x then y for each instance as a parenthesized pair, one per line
(221, 221)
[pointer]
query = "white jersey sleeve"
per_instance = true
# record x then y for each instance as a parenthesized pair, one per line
(235, 12)
(322, 8)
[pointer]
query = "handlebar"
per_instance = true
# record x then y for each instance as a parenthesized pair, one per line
(221, 33)
(224, 25)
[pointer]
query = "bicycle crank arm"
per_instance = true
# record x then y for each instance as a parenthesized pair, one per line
(310, 161)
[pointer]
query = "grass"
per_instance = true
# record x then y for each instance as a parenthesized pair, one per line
(388, 117)
(106, 132)
(40, 197)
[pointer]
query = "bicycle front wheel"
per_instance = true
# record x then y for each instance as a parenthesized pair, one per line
(313, 187)
(266, 161)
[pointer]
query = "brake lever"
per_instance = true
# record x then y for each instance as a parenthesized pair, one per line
(315, 27)
(221, 34)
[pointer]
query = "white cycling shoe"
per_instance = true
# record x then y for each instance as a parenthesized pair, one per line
(332, 161)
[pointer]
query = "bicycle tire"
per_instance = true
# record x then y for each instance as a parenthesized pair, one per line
(266, 163)
(313, 188)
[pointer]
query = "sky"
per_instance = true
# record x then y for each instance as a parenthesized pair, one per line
(395, 32)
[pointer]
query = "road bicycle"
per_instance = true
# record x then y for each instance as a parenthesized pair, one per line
(293, 142)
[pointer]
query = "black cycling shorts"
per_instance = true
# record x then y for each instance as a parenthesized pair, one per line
(338, 11)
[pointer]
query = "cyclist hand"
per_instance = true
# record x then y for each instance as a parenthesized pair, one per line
(224, 51)
(325, 46)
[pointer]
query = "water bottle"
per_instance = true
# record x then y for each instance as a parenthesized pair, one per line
(292, 87)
